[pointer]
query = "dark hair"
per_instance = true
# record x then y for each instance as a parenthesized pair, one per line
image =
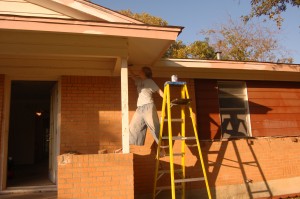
(147, 71)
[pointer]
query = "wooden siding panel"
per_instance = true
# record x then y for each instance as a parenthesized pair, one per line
(274, 117)
(24, 8)
(274, 108)
(208, 117)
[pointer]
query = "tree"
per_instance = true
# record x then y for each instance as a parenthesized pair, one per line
(198, 49)
(145, 18)
(201, 50)
(246, 42)
(270, 8)
(177, 50)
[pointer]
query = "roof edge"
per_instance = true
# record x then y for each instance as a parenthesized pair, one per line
(229, 65)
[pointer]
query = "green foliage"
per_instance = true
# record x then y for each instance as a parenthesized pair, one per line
(201, 50)
(145, 18)
(177, 50)
(246, 42)
(196, 50)
(270, 8)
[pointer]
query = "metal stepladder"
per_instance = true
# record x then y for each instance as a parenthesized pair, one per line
(184, 103)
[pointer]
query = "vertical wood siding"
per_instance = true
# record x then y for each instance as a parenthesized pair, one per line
(274, 108)
(208, 115)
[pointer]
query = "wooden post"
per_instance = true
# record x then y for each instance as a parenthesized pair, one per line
(124, 105)
(4, 136)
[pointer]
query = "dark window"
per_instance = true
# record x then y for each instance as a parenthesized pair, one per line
(234, 111)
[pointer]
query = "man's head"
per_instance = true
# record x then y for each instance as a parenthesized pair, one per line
(146, 72)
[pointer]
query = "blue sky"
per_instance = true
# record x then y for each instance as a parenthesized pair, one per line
(196, 15)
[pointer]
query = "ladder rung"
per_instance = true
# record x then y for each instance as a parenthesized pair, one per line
(174, 120)
(188, 180)
(179, 138)
(164, 147)
(167, 187)
(191, 145)
(169, 171)
(180, 101)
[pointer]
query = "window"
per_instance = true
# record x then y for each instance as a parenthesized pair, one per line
(234, 110)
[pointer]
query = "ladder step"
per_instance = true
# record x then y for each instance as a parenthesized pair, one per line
(179, 138)
(174, 120)
(167, 188)
(189, 180)
(164, 147)
(191, 145)
(169, 171)
(180, 101)
(175, 83)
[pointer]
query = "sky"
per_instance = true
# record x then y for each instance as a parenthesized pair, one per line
(197, 15)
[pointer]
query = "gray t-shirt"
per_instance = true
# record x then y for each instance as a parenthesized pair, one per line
(145, 90)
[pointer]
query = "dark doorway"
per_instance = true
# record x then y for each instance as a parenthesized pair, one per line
(28, 147)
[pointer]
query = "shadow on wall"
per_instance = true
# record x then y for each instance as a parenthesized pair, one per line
(235, 153)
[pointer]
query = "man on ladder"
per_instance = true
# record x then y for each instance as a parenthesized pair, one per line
(146, 113)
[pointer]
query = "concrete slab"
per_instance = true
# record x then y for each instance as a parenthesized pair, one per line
(43, 195)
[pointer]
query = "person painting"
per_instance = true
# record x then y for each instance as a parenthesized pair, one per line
(145, 115)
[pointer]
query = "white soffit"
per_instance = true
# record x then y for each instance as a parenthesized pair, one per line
(25, 8)
(84, 10)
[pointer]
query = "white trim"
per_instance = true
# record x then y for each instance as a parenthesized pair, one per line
(124, 105)
(58, 120)
(243, 96)
(5, 122)
(29, 189)
(89, 27)
(248, 110)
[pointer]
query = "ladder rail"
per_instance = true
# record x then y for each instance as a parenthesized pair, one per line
(198, 145)
(163, 115)
(183, 96)
(170, 141)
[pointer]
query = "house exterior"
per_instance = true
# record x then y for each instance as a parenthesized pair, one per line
(68, 60)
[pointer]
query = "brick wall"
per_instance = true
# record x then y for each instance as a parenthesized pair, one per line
(90, 114)
(276, 157)
(91, 120)
(229, 163)
(95, 176)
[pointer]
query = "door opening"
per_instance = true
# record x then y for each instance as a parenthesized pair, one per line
(29, 131)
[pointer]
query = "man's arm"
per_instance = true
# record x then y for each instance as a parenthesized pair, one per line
(132, 74)
(161, 93)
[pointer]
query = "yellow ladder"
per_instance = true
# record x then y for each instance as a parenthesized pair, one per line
(183, 102)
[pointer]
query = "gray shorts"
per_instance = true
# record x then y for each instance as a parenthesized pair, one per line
(144, 116)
